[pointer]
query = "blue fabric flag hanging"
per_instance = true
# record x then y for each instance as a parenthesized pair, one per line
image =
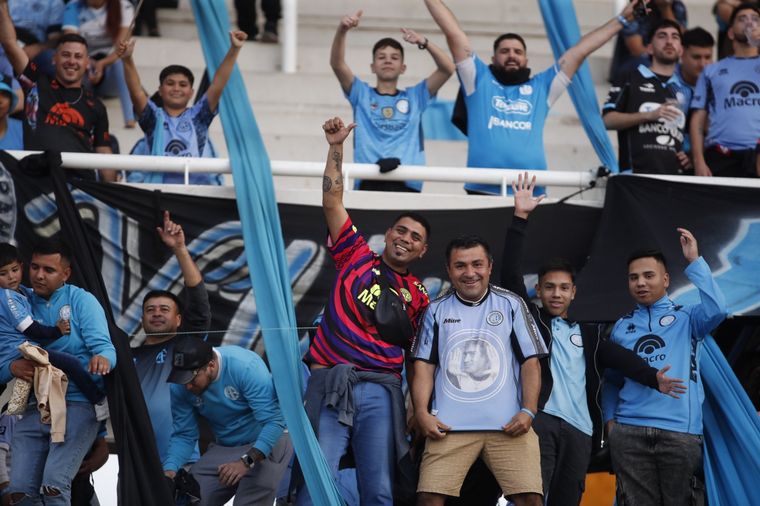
(732, 433)
(563, 32)
(264, 249)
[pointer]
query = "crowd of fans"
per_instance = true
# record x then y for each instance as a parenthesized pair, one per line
(498, 384)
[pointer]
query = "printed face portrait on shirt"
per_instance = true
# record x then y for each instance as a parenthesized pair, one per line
(473, 365)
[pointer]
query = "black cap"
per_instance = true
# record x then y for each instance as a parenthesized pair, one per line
(190, 354)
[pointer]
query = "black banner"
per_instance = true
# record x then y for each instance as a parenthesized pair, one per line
(638, 212)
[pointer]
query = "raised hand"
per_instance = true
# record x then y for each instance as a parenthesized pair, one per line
(412, 37)
(525, 202)
(171, 233)
(673, 387)
(125, 48)
(237, 38)
(336, 131)
(630, 9)
(688, 245)
(350, 21)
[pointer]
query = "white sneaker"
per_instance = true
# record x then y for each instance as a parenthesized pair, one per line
(101, 410)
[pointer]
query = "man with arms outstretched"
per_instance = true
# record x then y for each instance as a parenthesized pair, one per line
(506, 107)
(389, 118)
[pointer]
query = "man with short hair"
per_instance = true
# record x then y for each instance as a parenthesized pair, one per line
(697, 54)
(389, 118)
(728, 94)
(490, 418)
(648, 109)
(42, 472)
(171, 127)
(569, 421)
(164, 317)
(506, 108)
(232, 389)
(357, 356)
(656, 440)
(60, 114)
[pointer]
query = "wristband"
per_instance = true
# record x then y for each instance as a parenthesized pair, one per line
(423, 45)
(529, 413)
(623, 21)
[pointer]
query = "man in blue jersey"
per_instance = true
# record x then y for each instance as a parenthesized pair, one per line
(698, 47)
(389, 118)
(42, 471)
(569, 422)
(506, 108)
(476, 382)
(728, 96)
(648, 109)
(164, 316)
(656, 440)
(232, 389)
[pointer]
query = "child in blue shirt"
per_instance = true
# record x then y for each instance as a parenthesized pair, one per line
(17, 326)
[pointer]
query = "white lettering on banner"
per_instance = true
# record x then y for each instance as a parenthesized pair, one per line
(508, 124)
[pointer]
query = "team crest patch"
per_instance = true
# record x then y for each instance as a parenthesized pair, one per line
(231, 393)
(402, 106)
(407, 296)
(526, 89)
(184, 126)
(387, 112)
(577, 340)
(494, 318)
(667, 320)
(64, 313)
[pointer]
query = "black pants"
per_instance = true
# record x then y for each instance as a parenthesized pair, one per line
(246, 14)
(565, 453)
(734, 163)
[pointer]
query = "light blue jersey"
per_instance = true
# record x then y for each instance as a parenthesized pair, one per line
(666, 334)
(38, 17)
(505, 123)
(91, 23)
(89, 329)
(15, 318)
(389, 126)
(183, 135)
(568, 365)
(729, 90)
(478, 348)
(240, 404)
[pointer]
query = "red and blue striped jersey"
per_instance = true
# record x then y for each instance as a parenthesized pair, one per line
(347, 334)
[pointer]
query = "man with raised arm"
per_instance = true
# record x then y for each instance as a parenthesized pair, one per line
(60, 114)
(389, 118)
(506, 108)
(656, 440)
(172, 128)
(165, 316)
(569, 421)
(357, 355)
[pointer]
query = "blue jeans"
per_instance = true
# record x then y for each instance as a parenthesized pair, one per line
(371, 439)
(115, 84)
(39, 465)
(654, 466)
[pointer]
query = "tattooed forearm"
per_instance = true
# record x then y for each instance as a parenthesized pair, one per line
(326, 184)
(338, 159)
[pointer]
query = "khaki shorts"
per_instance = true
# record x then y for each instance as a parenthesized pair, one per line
(514, 461)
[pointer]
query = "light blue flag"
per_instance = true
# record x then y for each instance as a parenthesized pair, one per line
(264, 249)
(563, 32)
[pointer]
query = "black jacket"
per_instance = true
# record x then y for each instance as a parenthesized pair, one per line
(600, 353)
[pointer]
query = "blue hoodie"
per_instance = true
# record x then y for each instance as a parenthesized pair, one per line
(666, 333)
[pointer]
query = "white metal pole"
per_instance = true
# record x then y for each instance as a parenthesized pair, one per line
(289, 36)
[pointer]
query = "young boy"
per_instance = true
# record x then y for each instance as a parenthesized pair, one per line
(183, 131)
(17, 326)
(388, 118)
